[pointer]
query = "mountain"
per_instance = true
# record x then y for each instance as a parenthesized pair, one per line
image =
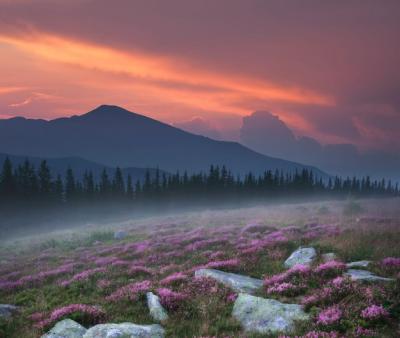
(59, 166)
(116, 137)
(267, 134)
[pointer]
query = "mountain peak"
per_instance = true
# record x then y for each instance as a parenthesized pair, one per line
(109, 111)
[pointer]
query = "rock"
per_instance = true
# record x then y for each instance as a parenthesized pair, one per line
(303, 256)
(120, 234)
(157, 312)
(266, 316)
(125, 330)
(7, 310)
(66, 328)
(364, 275)
(358, 264)
(236, 282)
(330, 256)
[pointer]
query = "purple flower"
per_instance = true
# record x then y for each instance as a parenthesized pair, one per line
(131, 291)
(374, 312)
(171, 299)
(175, 277)
(329, 316)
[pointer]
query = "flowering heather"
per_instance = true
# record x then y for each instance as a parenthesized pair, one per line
(174, 278)
(83, 276)
(92, 311)
(229, 263)
(374, 312)
(131, 291)
(284, 288)
(103, 283)
(203, 244)
(103, 261)
(329, 316)
(316, 334)
(299, 270)
(120, 262)
(362, 332)
(391, 262)
(330, 269)
(231, 297)
(139, 269)
(171, 299)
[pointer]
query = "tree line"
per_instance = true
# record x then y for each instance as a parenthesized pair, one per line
(25, 184)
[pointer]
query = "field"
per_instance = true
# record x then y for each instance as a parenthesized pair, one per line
(89, 276)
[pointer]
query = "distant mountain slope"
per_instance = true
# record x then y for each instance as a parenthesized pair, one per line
(59, 166)
(115, 136)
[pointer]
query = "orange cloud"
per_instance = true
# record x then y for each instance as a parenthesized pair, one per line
(162, 78)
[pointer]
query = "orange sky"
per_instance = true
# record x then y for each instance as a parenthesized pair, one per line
(62, 59)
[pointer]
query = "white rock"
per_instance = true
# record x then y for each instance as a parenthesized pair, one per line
(363, 275)
(157, 312)
(303, 256)
(125, 330)
(7, 310)
(266, 316)
(358, 264)
(66, 328)
(234, 281)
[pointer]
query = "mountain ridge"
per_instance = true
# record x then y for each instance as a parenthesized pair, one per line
(114, 136)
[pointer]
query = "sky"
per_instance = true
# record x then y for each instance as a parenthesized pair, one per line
(329, 69)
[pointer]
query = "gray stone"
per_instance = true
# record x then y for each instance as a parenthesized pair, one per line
(303, 256)
(330, 256)
(125, 330)
(266, 316)
(7, 310)
(120, 234)
(66, 328)
(363, 275)
(236, 282)
(358, 264)
(157, 312)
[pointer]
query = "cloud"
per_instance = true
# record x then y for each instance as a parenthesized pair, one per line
(268, 134)
(199, 126)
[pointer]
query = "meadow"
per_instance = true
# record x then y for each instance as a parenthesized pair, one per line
(95, 275)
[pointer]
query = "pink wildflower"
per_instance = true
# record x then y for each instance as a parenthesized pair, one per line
(131, 291)
(83, 276)
(170, 299)
(175, 277)
(329, 316)
(330, 268)
(391, 262)
(374, 312)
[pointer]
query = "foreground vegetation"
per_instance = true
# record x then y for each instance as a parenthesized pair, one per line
(91, 277)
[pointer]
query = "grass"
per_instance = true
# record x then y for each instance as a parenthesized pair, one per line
(205, 312)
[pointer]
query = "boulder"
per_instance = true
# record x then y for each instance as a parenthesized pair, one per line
(125, 330)
(358, 264)
(7, 310)
(120, 234)
(364, 275)
(303, 256)
(157, 312)
(330, 256)
(266, 316)
(66, 328)
(234, 281)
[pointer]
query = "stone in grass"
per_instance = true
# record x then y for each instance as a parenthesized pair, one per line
(266, 316)
(120, 234)
(358, 264)
(66, 328)
(157, 312)
(303, 256)
(125, 330)
(364, 275)
(7, 310)
(238, 283)
(330, 256)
